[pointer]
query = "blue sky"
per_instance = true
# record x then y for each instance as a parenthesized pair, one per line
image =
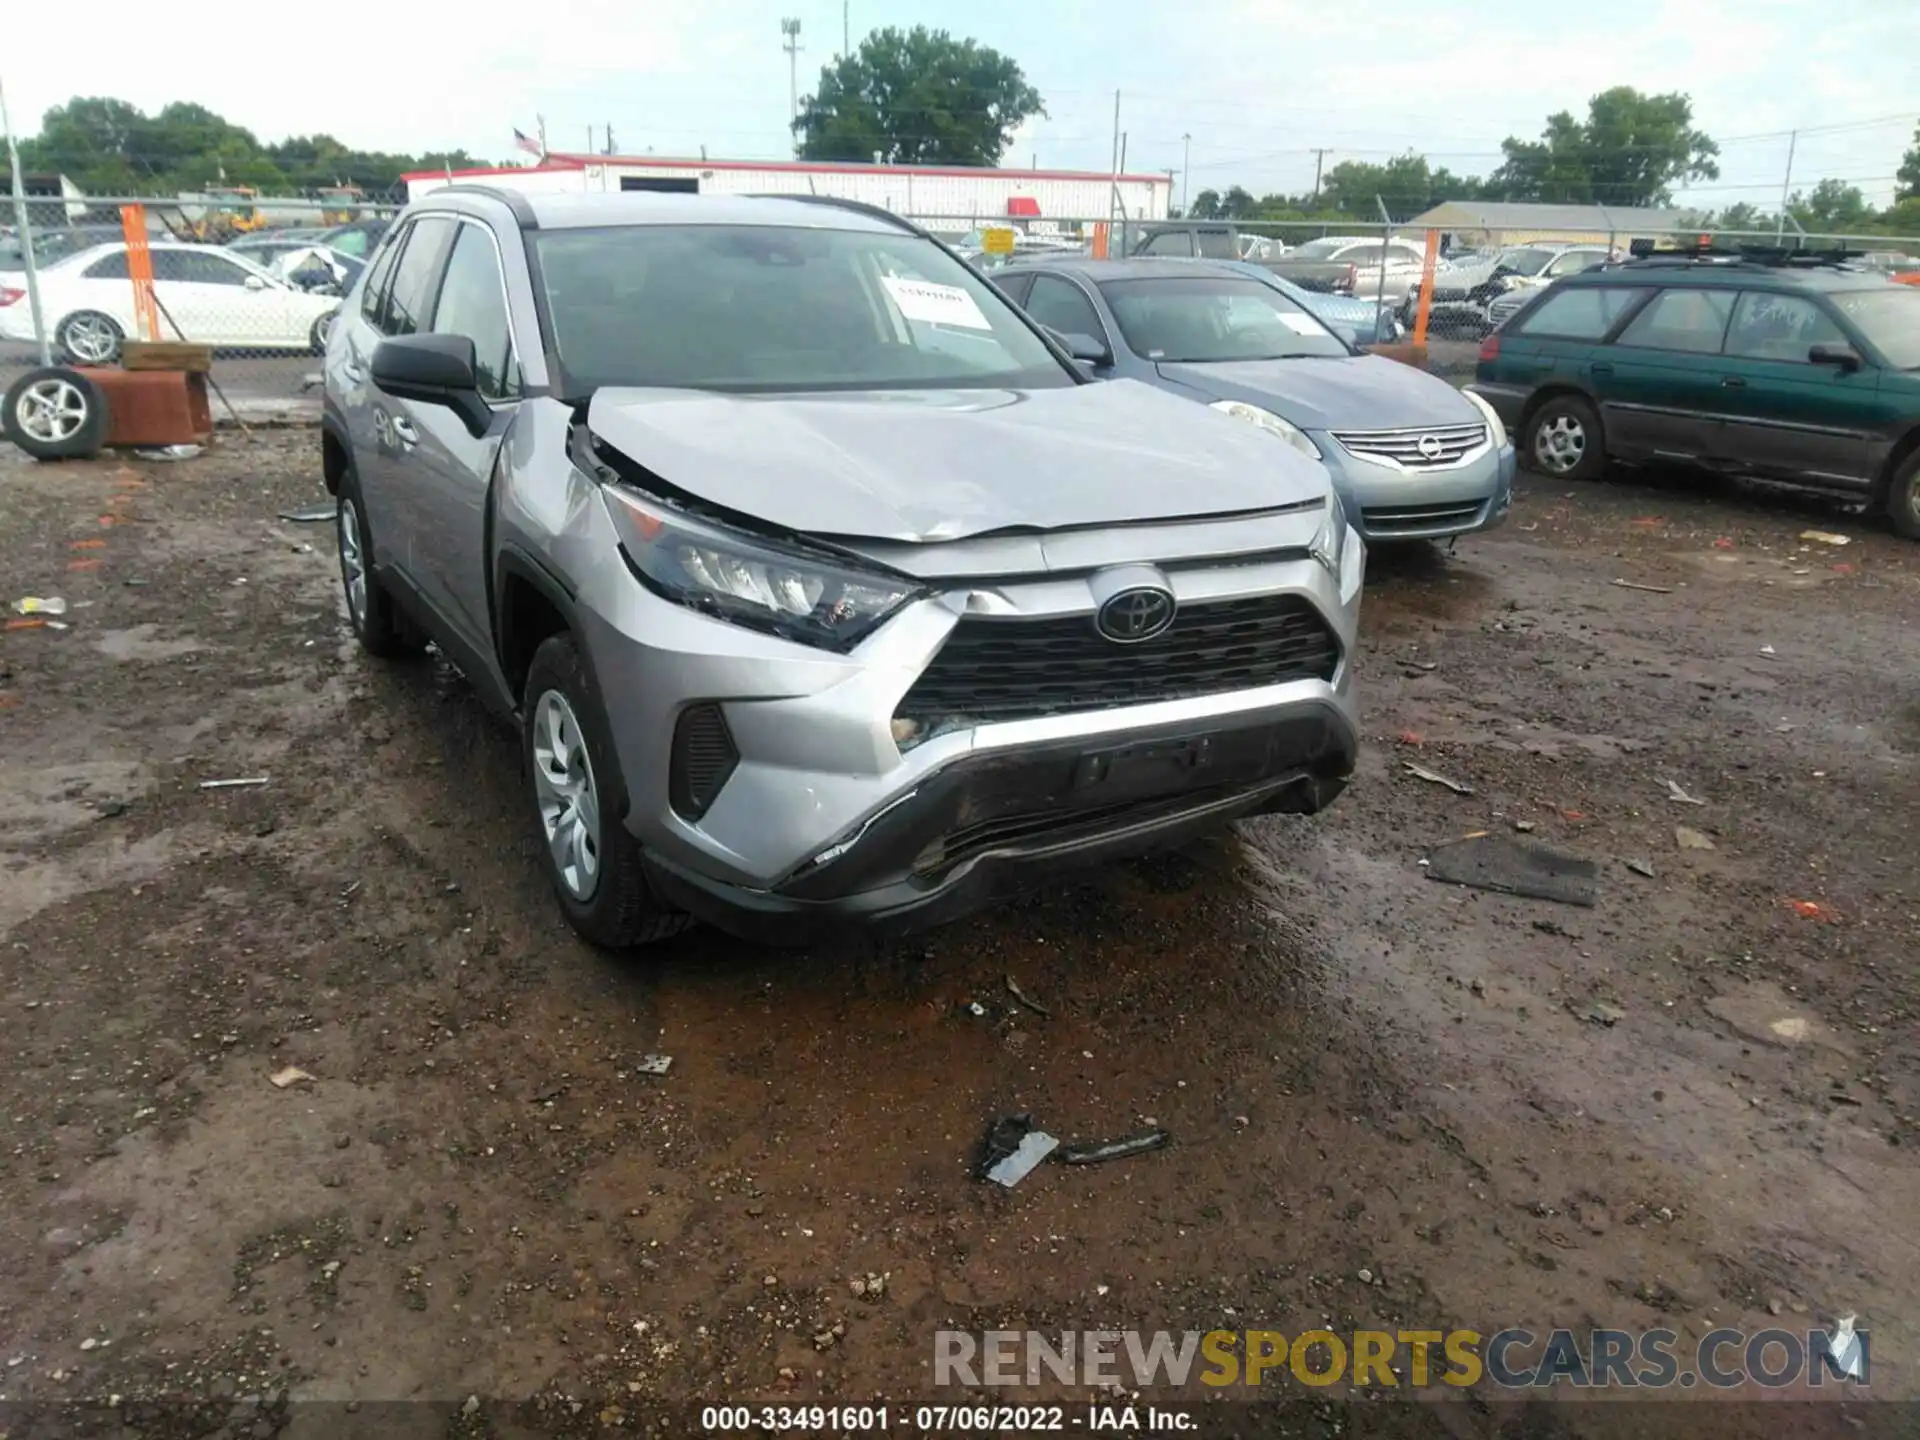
(1258, 84)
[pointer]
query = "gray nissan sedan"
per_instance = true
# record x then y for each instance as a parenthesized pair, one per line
(1412, 457)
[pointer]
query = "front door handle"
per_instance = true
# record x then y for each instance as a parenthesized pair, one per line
(353, 372)
(1603, 370)
(1734, 382)
(404, 432)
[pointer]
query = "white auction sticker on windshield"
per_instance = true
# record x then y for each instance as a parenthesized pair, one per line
(1300, 324)
(935, 304)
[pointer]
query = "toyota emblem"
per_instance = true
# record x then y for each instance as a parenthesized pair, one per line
(1429, 446)
(1135, 615)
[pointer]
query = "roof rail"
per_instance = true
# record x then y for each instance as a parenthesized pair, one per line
(858, 207)
(514, 200)
(1645, 252)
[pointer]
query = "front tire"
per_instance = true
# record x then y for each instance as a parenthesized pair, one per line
(1564, 440)
(1903, 498)
(578, 798)
(87, 337)
(317, 337)
(377, 624)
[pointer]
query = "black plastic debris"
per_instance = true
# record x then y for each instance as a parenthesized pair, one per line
(1515, 867)
(1096, 1152)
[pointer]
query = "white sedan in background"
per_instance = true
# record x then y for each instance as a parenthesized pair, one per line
(203, 295)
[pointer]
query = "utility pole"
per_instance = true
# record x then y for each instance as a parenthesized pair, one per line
(610, 137)
(542, 129)
(1786, 186)
(1319, 159)
(790, 42)
(1186, 172)
(26, 235)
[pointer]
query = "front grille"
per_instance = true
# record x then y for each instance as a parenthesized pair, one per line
(1013, 669)
(1449, 445)
(1507, 306)
(1386, 519)
(704, 758)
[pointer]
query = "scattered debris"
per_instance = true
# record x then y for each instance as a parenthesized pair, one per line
(1013, 989)
(1513, 867)
(974, 1008)
(1785, 727)
(1097, 1151)
(1814, 910)
(1525, 827)
(245, 782)
(1601, 1013)
(310, 515)
(1011, 1149)
(39, 605)
(1651, 589)
(1845, 1347)
(1434, 777)
(654, 1065)
(1725, 542)
(1768, 650)
(1687, 838)
(1674, 792)
(1411, 737)
(170, 452)
(1639, 867)
(1825, 537)
(292, 1075)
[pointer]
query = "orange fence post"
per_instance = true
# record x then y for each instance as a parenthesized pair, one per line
(1100, 241)
(1426, 287)
(146, 315)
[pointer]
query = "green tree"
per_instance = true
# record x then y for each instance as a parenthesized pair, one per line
(1406, 183)
(1740, 216)
(1630, 150)
(1903, 218)
(916, 97)
(1909, 172)
(1206, 206)
(1834, 207)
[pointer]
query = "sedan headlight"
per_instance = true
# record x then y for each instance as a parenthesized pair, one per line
(739, 578)
(1271, 423)
(1494, 427)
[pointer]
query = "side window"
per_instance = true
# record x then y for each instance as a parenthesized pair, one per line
(1779, 327)
(1170, 242)
(1014, 287)
(1216, 245)
(1405, 255)
(1694, 321)
(417, 275)
(197, 267)
(1361, 255)
(373, 299)
(473, 303)
(109, 267)
(1573, 262)
(1060, 305)
(1585, 313)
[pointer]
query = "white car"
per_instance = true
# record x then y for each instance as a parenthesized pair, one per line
(204, 295)
(1405, 262)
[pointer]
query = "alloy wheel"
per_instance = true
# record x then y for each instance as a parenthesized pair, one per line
(92, 339)
(353, 564)
(1560, 443)
(569, 801)
(51, 410)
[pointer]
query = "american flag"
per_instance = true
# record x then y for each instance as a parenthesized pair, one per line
(527, 143)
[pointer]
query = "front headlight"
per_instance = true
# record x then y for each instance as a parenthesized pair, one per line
(1494, 427)
(1339, 549)
(1269, 422)
(738, 578)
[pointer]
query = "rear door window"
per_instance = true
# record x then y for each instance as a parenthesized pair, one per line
(1586, 313)
(1690, 321)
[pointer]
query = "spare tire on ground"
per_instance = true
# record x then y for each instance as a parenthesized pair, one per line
(55, 414)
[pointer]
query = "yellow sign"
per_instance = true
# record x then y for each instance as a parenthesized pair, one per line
(997, 242)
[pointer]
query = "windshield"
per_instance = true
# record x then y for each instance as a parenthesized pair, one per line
(1317, 249)
(1889, 318)
(1215, 318)
(1527, 261)
(762, 308)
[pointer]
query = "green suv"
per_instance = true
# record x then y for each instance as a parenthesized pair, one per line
(1791, 367)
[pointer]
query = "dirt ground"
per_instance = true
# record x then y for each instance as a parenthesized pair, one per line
(1394, 1103)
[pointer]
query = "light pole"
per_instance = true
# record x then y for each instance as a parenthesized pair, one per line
(790, 42)
(1186, 170)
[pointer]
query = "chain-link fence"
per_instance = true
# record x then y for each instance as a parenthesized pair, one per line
(257, 280)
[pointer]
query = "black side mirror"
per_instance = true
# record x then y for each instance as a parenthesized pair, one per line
(436, 369)
(1085, 347)
(1844, 356)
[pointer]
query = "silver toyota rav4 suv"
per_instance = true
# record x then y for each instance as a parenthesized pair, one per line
(820, 583)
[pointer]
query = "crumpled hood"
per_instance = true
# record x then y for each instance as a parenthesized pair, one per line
(930, 465)
(1361, 392)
